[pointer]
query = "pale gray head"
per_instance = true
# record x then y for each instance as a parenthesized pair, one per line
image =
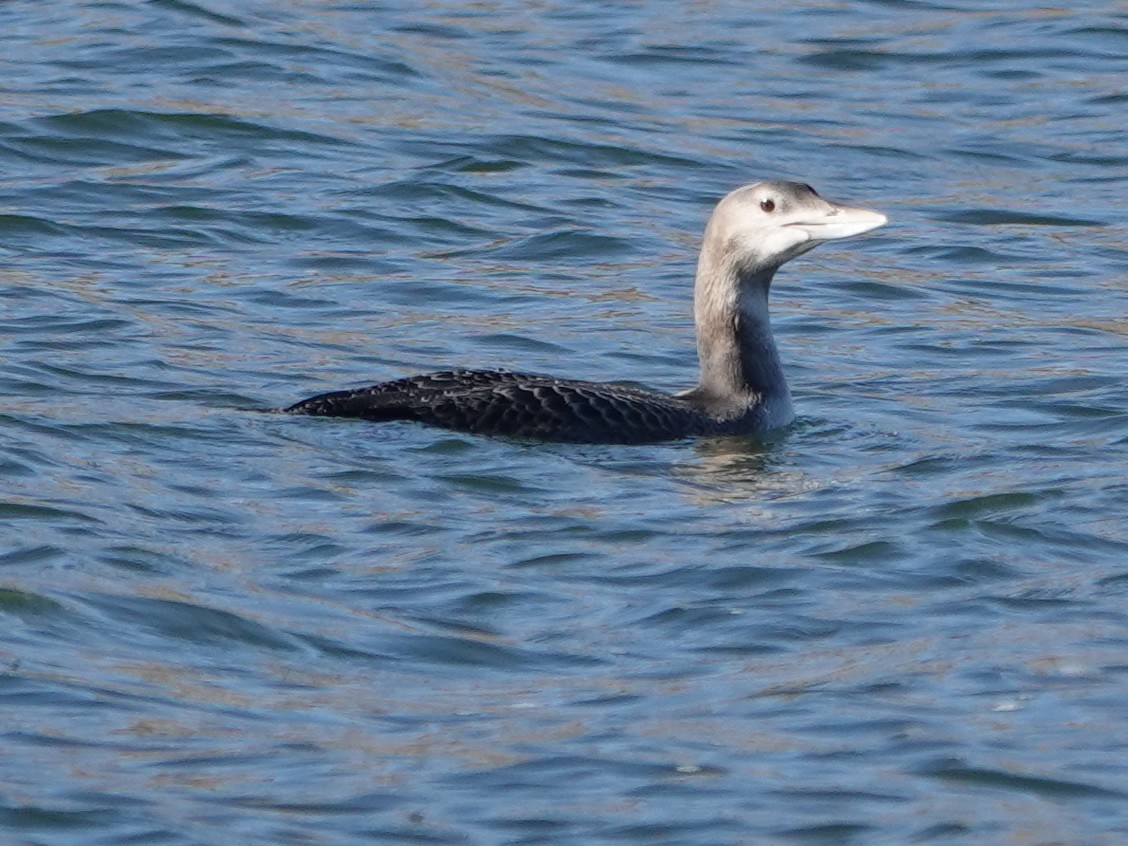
(752, 232)
(759, 227)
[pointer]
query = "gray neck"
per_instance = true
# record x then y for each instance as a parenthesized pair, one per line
(740, 366)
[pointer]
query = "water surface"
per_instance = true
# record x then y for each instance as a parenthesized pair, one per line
(902, 620)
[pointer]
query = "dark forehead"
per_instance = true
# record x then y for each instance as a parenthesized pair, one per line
(783, 188)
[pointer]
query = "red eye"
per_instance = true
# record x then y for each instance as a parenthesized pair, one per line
(767, 205)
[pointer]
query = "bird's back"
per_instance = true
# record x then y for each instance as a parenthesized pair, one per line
(522, 405)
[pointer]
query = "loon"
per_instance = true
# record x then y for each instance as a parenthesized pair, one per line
(742, 389)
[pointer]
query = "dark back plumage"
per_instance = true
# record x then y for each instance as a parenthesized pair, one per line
(520, 405)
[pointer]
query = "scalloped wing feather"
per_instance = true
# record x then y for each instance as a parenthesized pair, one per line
(522, 405)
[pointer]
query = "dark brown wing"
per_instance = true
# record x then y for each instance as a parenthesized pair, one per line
(523, 405)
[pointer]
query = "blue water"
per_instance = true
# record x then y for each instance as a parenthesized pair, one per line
(902, 620)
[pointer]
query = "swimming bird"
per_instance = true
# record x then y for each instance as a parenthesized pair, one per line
(742, 389)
